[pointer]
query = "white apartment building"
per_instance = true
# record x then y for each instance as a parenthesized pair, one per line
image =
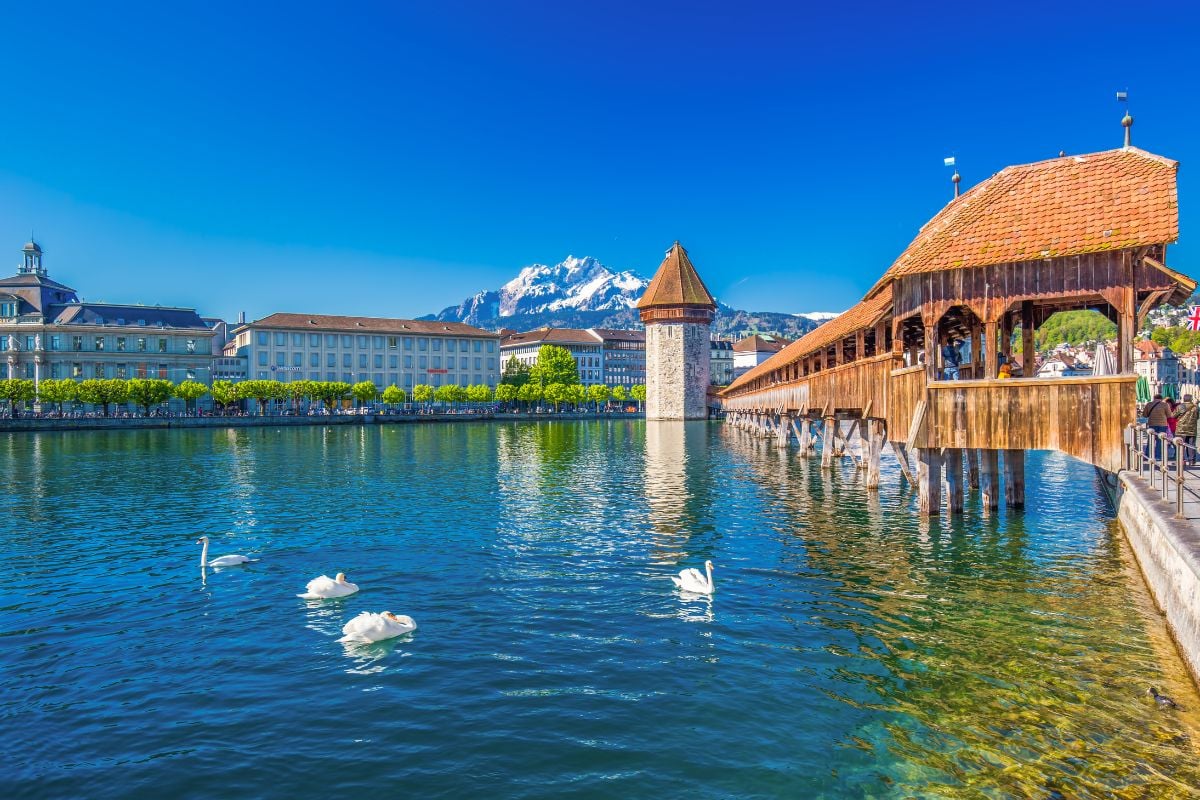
(387, 352)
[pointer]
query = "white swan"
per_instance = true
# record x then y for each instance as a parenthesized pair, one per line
(691, 580)
(325, 587)
(368, 627)
(223, 561)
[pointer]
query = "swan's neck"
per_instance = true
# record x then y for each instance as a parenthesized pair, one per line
(204, 554)
(708, 569)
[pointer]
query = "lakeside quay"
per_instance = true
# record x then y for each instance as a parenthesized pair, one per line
(41, 424)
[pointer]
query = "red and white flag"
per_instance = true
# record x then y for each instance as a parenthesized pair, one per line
(1194, 318)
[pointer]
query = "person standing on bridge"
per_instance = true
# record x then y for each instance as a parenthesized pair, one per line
(951, 359)
(1185, 427)
(1157, 412)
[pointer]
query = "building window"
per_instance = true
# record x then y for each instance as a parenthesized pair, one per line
(297, 359)
(422, 344)
(314, 340)
(331, 360)
(31, 343)
(141, 344)
(99, 370)
(437, 362)
(408, 343)
(491, 347)
(347, 360)
(331, 341)
(408, 362)
(422, 362)
(29, 370)
(281, 359)
(8, 309)
(77, 370)
(190, 374)
(122, 370)
(190, 346)
(347, 340)
(280, 339)
(450, 345)
(478, 362)
(262, 358)
(393, 342)
(55, 343)
(362, 360)
(162, 345)
(378, 361)
(377, 341)
(437, 345)
(263, 338)
(76, 343)
(120, 344)
(408, 381)
(314, 360)
(56, 370)
(297, 340)
(162, 370)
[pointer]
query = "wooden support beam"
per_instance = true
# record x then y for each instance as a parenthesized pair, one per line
(931, 352)
(799, 433)
(989, 473)
(1028, 357)
(902, 457)
(954, 479)
(827, 431)
(1014, 478)
(783, 430)
(873, 451)
(972, 469)
(929, 481)
(991, 359)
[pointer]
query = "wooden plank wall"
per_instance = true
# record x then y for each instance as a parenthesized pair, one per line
(849, 388)
(1082, 417)
(906, 390)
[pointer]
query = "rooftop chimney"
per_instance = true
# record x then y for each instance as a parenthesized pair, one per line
(241, 318)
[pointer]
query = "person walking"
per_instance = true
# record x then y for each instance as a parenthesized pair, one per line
(1185, 428)
(1157, 412)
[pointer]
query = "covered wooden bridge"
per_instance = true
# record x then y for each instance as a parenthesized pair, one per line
(1075, 232)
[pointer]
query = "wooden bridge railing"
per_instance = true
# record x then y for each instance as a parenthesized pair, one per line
(1084, 417)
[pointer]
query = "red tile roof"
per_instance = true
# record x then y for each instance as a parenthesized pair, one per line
(550, 336)
(676, 283)
(761, 344)
(327, 322)
(863, 315)
(1066, 206)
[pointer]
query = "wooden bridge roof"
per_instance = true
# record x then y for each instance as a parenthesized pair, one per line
(1065, 206)
(676, 283)
(863, 315)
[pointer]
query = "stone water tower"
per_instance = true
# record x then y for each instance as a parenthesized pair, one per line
(677, 311)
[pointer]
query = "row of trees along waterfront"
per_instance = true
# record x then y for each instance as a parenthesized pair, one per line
(102, 392)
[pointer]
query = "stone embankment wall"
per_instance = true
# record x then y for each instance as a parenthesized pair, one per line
(32, 424)
(1168, 552)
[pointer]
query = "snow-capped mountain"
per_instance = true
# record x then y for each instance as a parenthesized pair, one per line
(583, 293)
(579, 284)
(819, 316)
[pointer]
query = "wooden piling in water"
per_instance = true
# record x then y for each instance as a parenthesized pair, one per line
(1014, 478)
(954, 480)
(929, 481)
(989, 472)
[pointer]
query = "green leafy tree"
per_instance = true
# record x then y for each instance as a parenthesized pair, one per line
(506, 393)
(103, 392)
(224, 393)
(556, 393)
(16, 391)
(300, 391)
(599, 393)
(57, 390)
(619, 394)
(422, 393)
(364, 392)
(529, 394)
(515, 373)
(479, 393)
(554, 365)
(577, 394)
(394, 396)
(189, 392)
(638, 392)
(147, 392)
(262, 391)
(331, 393)
(451, 393)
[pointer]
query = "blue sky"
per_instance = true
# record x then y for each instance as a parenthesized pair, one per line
(393, 158)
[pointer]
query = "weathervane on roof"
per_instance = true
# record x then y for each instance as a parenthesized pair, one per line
(1127, 120)
(955, 178)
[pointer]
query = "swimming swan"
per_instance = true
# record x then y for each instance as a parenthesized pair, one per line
(223, 561)
(368, 627)
(691, 580)
(325, 587)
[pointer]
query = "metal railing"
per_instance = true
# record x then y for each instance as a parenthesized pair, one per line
(1163, 460)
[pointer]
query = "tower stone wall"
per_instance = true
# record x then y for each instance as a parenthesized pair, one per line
(677, 370)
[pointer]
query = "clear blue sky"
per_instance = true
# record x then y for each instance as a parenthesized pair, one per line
(393, 158)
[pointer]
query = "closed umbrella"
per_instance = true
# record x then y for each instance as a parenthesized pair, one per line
(1103, 363)
(1143, 389)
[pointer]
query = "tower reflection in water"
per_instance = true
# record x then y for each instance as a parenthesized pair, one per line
(679, 499)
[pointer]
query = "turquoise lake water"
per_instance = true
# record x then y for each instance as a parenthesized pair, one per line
(850, 650)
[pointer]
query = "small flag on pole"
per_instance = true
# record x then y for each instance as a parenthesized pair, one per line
(1193, 319)
(949, 162)
(1122, 97)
